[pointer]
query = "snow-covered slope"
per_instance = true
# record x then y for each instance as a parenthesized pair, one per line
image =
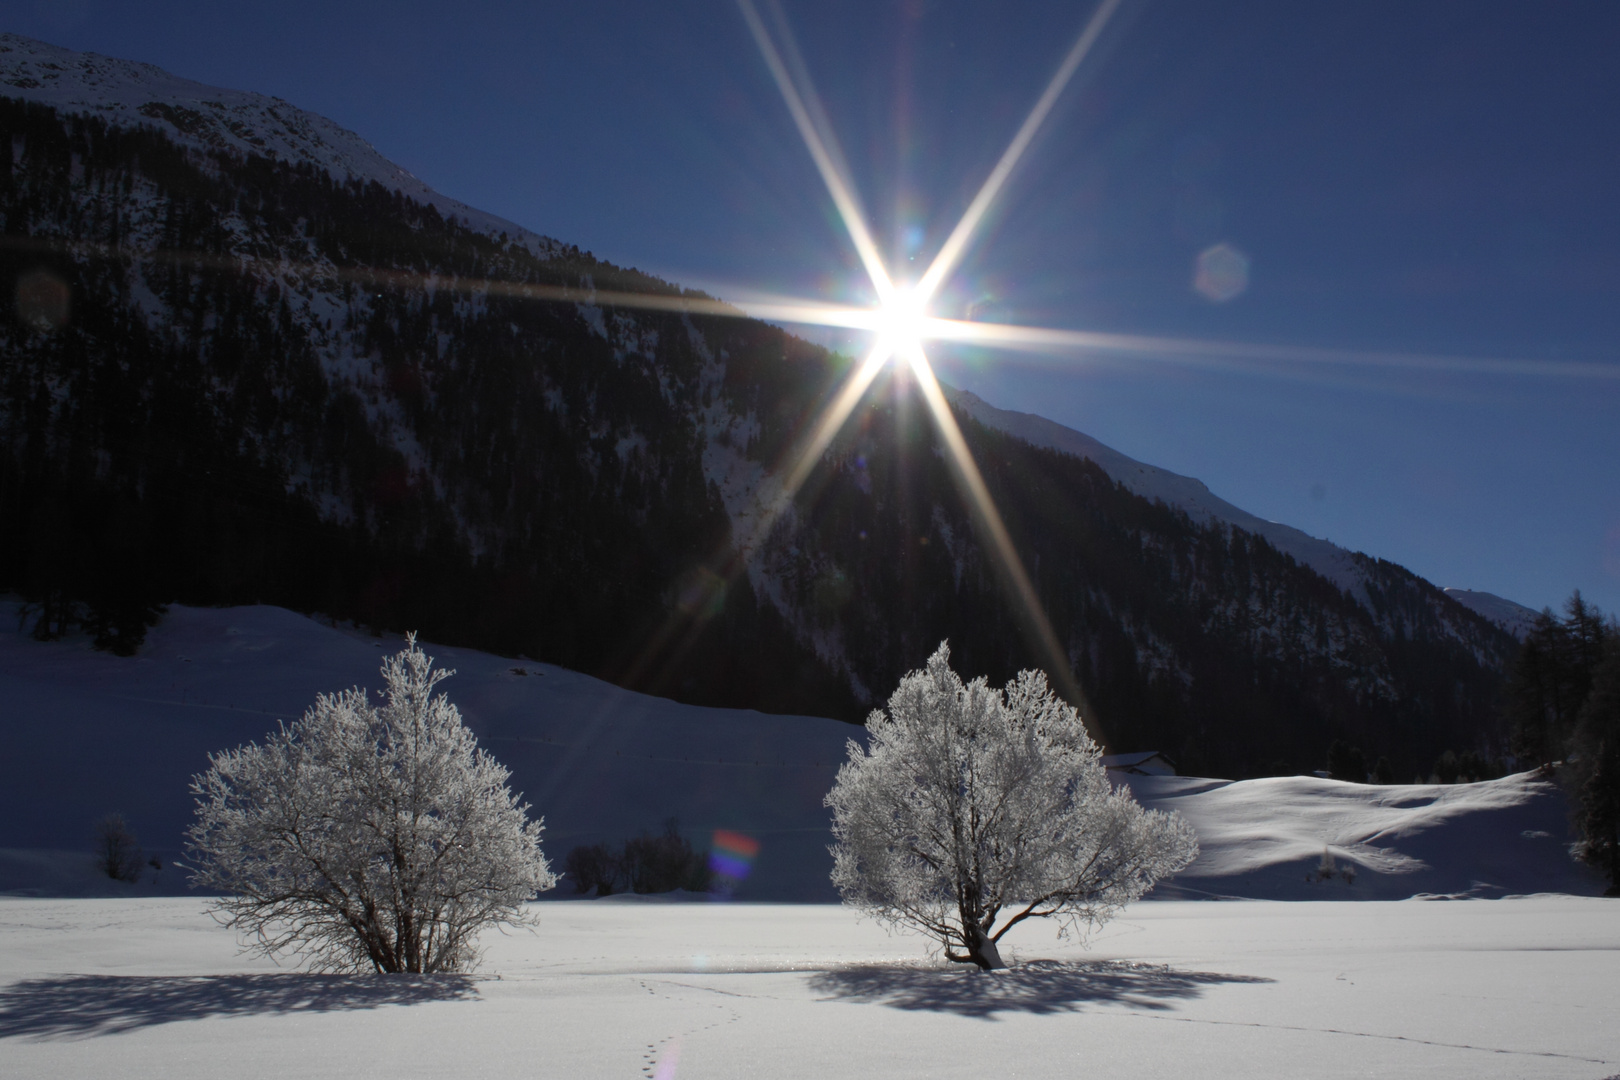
(133, 94)
(1151, 482)
(1273, 838)
(1516, 619)
(85, 733)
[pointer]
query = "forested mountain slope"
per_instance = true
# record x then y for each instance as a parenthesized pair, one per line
(230, 378)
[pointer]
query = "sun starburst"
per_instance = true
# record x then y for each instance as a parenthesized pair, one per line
(901, 323)
(901, 326)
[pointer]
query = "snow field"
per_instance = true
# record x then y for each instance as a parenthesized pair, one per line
(638, 988)
(85, 733)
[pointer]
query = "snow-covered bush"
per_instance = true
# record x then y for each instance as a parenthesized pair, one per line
(973, 809)
(367, 837)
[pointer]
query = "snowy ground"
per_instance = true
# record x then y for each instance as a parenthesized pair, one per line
(141, 985)
(628, 988)
(83, 733)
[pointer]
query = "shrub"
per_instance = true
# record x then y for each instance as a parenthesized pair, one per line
(368, 837)
(973, 809)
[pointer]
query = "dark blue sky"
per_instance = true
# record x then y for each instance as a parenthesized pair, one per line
(1437, 177)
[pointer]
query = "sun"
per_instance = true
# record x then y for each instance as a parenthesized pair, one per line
(901, 324)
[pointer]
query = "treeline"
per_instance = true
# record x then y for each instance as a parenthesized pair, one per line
(644, 864)
(1564, 707)
(1349, 763)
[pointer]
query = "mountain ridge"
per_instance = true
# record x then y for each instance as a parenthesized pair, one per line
(212, 118)
(277, 385)
(1339, 565)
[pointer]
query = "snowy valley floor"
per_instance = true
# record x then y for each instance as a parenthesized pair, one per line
(1521, 987)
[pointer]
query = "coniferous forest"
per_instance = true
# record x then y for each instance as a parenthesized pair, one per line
(1563, 702)
(233, 381)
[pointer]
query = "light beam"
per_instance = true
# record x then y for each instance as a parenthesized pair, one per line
(822, 151)
(992, 528)
(956, 244)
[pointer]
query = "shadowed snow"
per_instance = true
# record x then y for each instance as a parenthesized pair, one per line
(87, 733)
(78, 1005)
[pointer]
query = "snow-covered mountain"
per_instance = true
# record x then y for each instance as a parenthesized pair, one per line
(212, 118)
(1182, 492)
(1515, 618)
(1342, 567)
(300, 379)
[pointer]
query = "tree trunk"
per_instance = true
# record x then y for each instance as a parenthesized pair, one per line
(982, 951)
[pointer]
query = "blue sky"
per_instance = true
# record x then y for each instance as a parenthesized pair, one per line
(1439, 178)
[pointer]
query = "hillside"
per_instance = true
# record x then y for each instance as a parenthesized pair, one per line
(88, 733)
(237, 378)
(212, 119)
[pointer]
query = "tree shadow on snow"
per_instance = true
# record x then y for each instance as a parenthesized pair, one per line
(1039, 987)
(79, 1005)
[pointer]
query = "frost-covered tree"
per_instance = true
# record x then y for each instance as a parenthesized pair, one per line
(973, 809)
(368, 836)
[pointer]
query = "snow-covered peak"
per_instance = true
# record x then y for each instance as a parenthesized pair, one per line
(1516, 619)
(211, 118)
(1185, 493)
(1151, 482)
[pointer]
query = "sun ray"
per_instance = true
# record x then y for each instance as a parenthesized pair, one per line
(823, 152)
(1047, 341)
(663, 650)
(956, 244)
(993, 528)
(833, 417)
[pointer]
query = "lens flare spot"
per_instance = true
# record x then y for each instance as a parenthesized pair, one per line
(43, 300)
(731, 857)
(701, 594)
(668, 1061)
(1221, 273)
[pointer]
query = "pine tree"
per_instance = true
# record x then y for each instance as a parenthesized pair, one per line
(1551, 680)
(1595, 765)
(1564, 703)
(1346, 762)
